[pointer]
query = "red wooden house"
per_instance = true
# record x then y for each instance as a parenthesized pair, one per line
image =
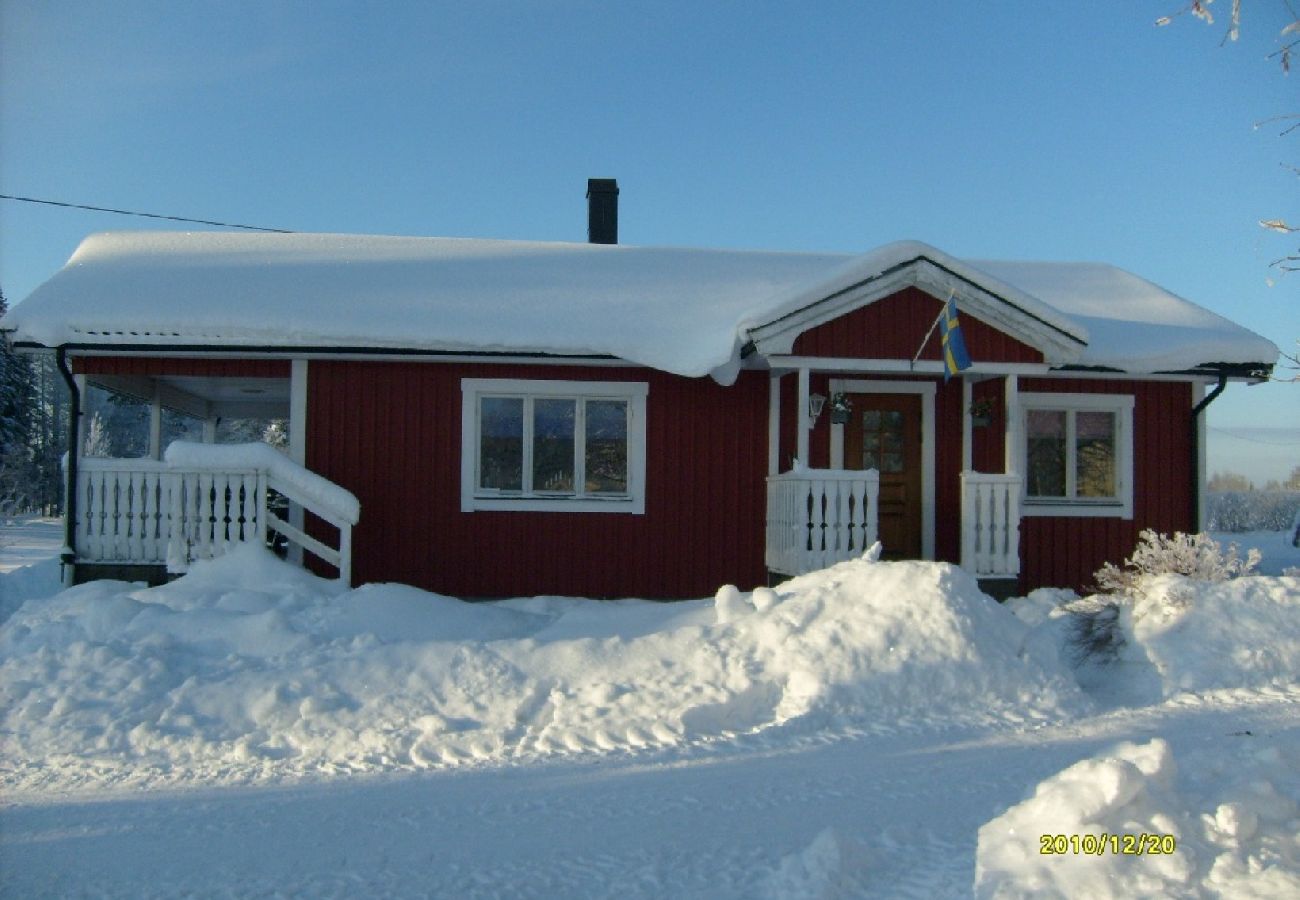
(603, 420)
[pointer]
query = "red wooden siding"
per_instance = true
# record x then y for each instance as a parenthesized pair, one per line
(893, 328)
(1055, 551)
(390, 433)
(181, 367)
(988, 442)
(1065, 552)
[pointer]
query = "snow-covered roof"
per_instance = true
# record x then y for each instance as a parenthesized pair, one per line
(686, 311)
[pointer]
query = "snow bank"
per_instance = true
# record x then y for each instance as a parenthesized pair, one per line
(1177, 635)
(1201, 636)
(1219, 827)
(251, 668)
(310, 487)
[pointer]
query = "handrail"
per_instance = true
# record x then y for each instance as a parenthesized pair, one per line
(201, 500)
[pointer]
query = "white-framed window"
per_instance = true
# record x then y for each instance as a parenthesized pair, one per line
(1076, 454)
(553, 446)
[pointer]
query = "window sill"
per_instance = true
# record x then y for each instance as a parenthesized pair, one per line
(1039, 508)
(626, 505)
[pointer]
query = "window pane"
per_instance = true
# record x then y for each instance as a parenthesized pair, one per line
(501, 443)
(553, 445)
(606, 447)
(1094, 434)
(1046, 453)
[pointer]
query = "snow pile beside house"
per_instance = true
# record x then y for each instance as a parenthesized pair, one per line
(251, 668)
(1198, 637)
(1173, 635)
(1130, 822)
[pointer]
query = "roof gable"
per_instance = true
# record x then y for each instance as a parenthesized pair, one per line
(899, 327)
(896, 268)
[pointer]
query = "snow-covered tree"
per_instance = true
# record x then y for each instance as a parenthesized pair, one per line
(97, 442)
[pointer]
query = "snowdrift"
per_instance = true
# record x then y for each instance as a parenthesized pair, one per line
(1125, 824)
(249, 668)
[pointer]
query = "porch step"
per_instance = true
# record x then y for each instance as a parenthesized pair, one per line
(153, 575)
(1000, 588)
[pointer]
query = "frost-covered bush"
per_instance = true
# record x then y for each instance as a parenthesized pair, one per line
(1095, 633)
(1196, 556)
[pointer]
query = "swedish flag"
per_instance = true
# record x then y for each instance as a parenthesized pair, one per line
(955, 357)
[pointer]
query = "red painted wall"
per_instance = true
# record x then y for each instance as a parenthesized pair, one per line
(390, 433)
(895, 326)
(1065, 552)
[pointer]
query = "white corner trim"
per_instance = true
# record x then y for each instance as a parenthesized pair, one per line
(927, 391)
(298, 411)
(473, 500)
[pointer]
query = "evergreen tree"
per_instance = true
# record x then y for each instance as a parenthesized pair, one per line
(16, 387)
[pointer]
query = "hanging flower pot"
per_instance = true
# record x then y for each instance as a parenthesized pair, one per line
(841, 409)
(981, 413)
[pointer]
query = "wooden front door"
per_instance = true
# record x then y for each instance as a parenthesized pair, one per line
(884, 433)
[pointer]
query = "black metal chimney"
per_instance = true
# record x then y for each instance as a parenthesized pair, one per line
(602, 211)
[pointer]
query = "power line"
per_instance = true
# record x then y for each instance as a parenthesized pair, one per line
(127, 212)
(1291, 440)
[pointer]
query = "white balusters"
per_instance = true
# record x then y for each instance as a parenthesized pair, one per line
(990, 528)
(146, 512)
(818, 517)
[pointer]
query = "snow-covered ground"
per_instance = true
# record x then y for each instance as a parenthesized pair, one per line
(877, 729)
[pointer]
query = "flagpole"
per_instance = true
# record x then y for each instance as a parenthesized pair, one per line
(930, 333)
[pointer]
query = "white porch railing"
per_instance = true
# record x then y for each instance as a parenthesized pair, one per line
(145, 512)
(818, 517)
(990, 524)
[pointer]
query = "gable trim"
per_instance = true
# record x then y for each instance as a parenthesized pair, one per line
(1058, 345)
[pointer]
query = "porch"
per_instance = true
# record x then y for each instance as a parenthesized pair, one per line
(931, 471)
(201, 502)
(819, 517)
(153, 514)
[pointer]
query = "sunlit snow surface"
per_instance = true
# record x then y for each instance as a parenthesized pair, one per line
(877, 729)
(686, 311)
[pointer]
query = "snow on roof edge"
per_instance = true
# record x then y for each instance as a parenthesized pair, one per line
(726, 293)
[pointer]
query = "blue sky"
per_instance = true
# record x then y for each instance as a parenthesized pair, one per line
(1033, 130)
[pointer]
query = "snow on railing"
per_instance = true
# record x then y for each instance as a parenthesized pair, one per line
(818, 517)
(990, 524)
(199, 502)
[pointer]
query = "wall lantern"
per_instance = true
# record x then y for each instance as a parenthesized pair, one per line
(816, 402)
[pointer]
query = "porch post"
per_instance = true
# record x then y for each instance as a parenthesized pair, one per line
(1012, 436)
(155, 425)
(297, 440)
(804, 423)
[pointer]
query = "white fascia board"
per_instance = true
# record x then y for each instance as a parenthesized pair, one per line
(903, 366)
(1058, 347)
